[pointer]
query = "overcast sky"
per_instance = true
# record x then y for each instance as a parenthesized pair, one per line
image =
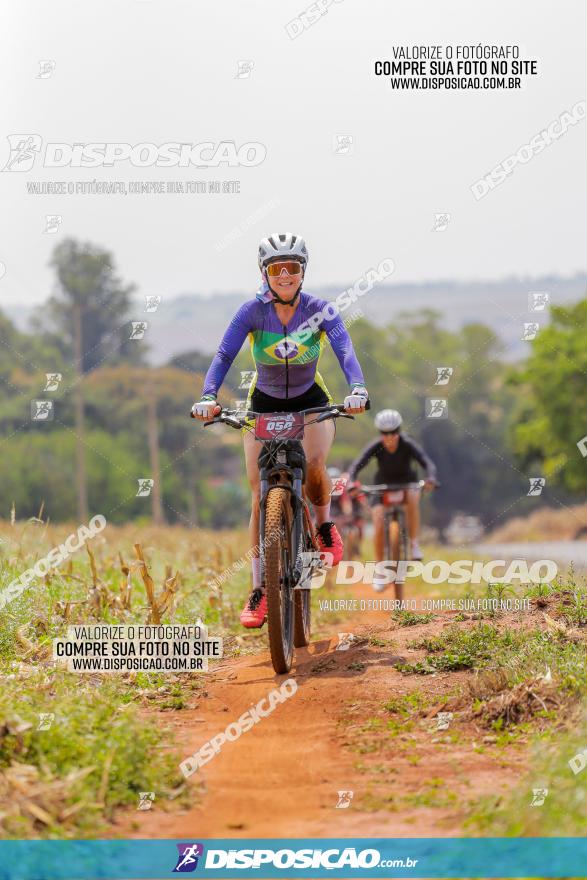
(165, 70)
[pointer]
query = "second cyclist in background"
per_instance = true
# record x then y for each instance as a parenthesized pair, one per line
(395, 454)
(347, 508)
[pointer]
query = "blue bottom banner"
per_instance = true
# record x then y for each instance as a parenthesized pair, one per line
(306, 858)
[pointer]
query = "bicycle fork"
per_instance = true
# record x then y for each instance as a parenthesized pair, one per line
(295, 491)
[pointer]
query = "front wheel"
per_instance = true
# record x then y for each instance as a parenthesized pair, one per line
(302, 618)
(278, 569)
(302, 600)
(402, 552)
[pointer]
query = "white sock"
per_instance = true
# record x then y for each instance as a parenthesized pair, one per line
(256, 566)
(322, 513)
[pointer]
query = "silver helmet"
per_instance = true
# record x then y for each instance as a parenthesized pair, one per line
(388, 420)
(282, 245)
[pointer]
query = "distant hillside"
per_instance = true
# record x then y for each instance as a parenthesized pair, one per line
(197, 321)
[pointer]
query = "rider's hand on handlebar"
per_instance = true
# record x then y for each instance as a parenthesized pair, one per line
(206, 409)
(356, 401)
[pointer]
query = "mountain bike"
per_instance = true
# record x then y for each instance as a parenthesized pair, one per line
(290, 556)
(352, 525)
(396, 540)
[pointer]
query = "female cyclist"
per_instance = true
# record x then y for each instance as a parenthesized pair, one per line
(287, 330)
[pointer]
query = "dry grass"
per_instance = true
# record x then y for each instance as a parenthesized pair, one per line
(101, 749)
(523, 702)
(546, 524)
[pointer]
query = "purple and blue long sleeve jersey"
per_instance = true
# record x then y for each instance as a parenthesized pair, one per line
(286, 357)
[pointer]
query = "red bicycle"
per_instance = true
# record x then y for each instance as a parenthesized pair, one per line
(396, 540)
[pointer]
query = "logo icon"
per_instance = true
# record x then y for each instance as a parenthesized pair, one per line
(443, 375)
(146, 799)
(538, 300)
(244, 69)
(530, 331)
(247, 377)
(578, 762)
(138, 329)
(344, 800)
(42, 410)
(53, 380)
(52, 223)
(443, 720)
(23, 151)
(313, 572)
(46, 69)
(436, 408)
(539, 795)
(187, 860)
(286, 349)
(145, 486)
(342, 144)
(46, 719)
(345, 641)
(338, 485)
(441, 222)
(152, 303)
(537, 484)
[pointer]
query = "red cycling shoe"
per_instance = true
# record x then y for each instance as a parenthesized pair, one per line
(329, 541)
(254, 614)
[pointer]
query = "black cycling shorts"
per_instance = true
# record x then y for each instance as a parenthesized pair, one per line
(264, 403)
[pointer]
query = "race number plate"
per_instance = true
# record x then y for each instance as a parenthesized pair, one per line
(279, 426)
(393, 497)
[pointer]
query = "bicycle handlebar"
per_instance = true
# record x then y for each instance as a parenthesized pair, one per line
(395, 487)
(229, 416)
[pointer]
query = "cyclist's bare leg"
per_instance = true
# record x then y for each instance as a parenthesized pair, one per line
(254, 613)
(252, 449)
(317, 442)
(377, 513)
(413, 513)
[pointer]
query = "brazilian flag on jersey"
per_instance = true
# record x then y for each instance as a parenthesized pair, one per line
(275, 348)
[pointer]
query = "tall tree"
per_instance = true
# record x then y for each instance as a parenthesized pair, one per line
(86, 276)
(90, 313)
(551, 426)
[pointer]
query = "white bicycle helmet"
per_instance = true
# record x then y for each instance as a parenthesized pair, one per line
(280, 246)
(388, 420)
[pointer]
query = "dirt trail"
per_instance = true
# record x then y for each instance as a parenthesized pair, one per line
(281, 778)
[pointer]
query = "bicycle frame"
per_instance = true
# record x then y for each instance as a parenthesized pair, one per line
(290, 478)
(394, 511)
(282, 465)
